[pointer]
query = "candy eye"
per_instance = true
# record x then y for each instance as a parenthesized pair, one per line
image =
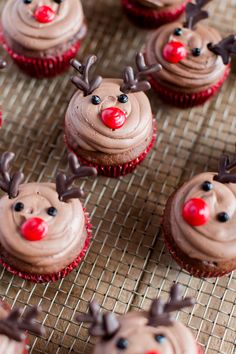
(122, 344)
(160, 338)
(196, 52)
(19, 207)
(223, 217)
(52, 211)
(27, 2)
(123, 98)
(58, 1)
(178, 32)
(96, 100)
(207, 186)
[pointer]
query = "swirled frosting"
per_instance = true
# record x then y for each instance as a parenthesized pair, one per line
(83, 121)
(213, 241)
(141, 338)
(160, 3)
(194, 73)
(7, 345)
(66, 231)
(19, 23)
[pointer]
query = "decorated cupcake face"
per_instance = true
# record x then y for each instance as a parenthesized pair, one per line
(204, 214)
(42, 24)
(152, 332)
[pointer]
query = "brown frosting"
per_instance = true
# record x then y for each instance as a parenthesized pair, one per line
(66, 231)
(213, 241)
(141, 337)
(155, 4)
(19, 23)
(83, 122)
(194, 73)
(7, 345)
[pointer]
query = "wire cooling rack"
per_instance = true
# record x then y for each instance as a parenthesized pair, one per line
(127, 264)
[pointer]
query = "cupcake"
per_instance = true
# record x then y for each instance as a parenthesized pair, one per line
(43, 36)
(46, 230)
(13, 329)
(195, 60)
(199, 222)
(148, 332)
(109, 123)
(153, 13)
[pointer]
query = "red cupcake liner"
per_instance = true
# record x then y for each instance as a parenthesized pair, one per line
(45, 278)
(118, 170)
(189, 267)
(43, 67)
(149, 18)
(187, 100)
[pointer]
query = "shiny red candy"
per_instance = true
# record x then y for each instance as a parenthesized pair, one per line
(44, 14)
(153, 352)
(174, 52)
(34, 229)
(113, 117)
(196, 212)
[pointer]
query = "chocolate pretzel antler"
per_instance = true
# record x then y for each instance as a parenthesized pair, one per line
(9, 183)
(195, 13)
(64, 183)
(102, 325)
(14, 326)
(84, 83)
(225, 165)
(224, 48)
(133, 82)
(160, 312)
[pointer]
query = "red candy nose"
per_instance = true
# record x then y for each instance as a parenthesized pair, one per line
(113, 117)
(174, 52)
(196, 212)
(153, 352)
(34, 229)
(44, 14)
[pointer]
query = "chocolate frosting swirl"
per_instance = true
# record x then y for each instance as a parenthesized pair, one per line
(66, 231)
(7, 345)
(19, 23)
(213, 241)
(194, 73)
(84, 124)
(141, 337)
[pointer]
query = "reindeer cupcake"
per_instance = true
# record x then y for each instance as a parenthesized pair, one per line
(200, 222)
(151, 332)
(13, 328)
(43, 36)
(109, 122)
(195, 60)
(46, 231)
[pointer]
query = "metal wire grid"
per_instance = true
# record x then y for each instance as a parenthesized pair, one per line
(127, 264)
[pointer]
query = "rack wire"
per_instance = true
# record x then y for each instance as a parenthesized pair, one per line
(127, 264)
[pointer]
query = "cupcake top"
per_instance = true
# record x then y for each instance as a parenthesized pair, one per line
(44, 222)
(203, 214)
(110, 115)
(151, 332)
(13, 328)
(41, 25)
(192, 55)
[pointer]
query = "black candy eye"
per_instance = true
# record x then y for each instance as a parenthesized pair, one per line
(196, 52)
(207, 186)
(223, 217)
(58, 1)
(123, 98)
(178, 32)
(27, 2)
(52, 211)
(122, 344)
(19, 207)
(96, 100)
(160, 338)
